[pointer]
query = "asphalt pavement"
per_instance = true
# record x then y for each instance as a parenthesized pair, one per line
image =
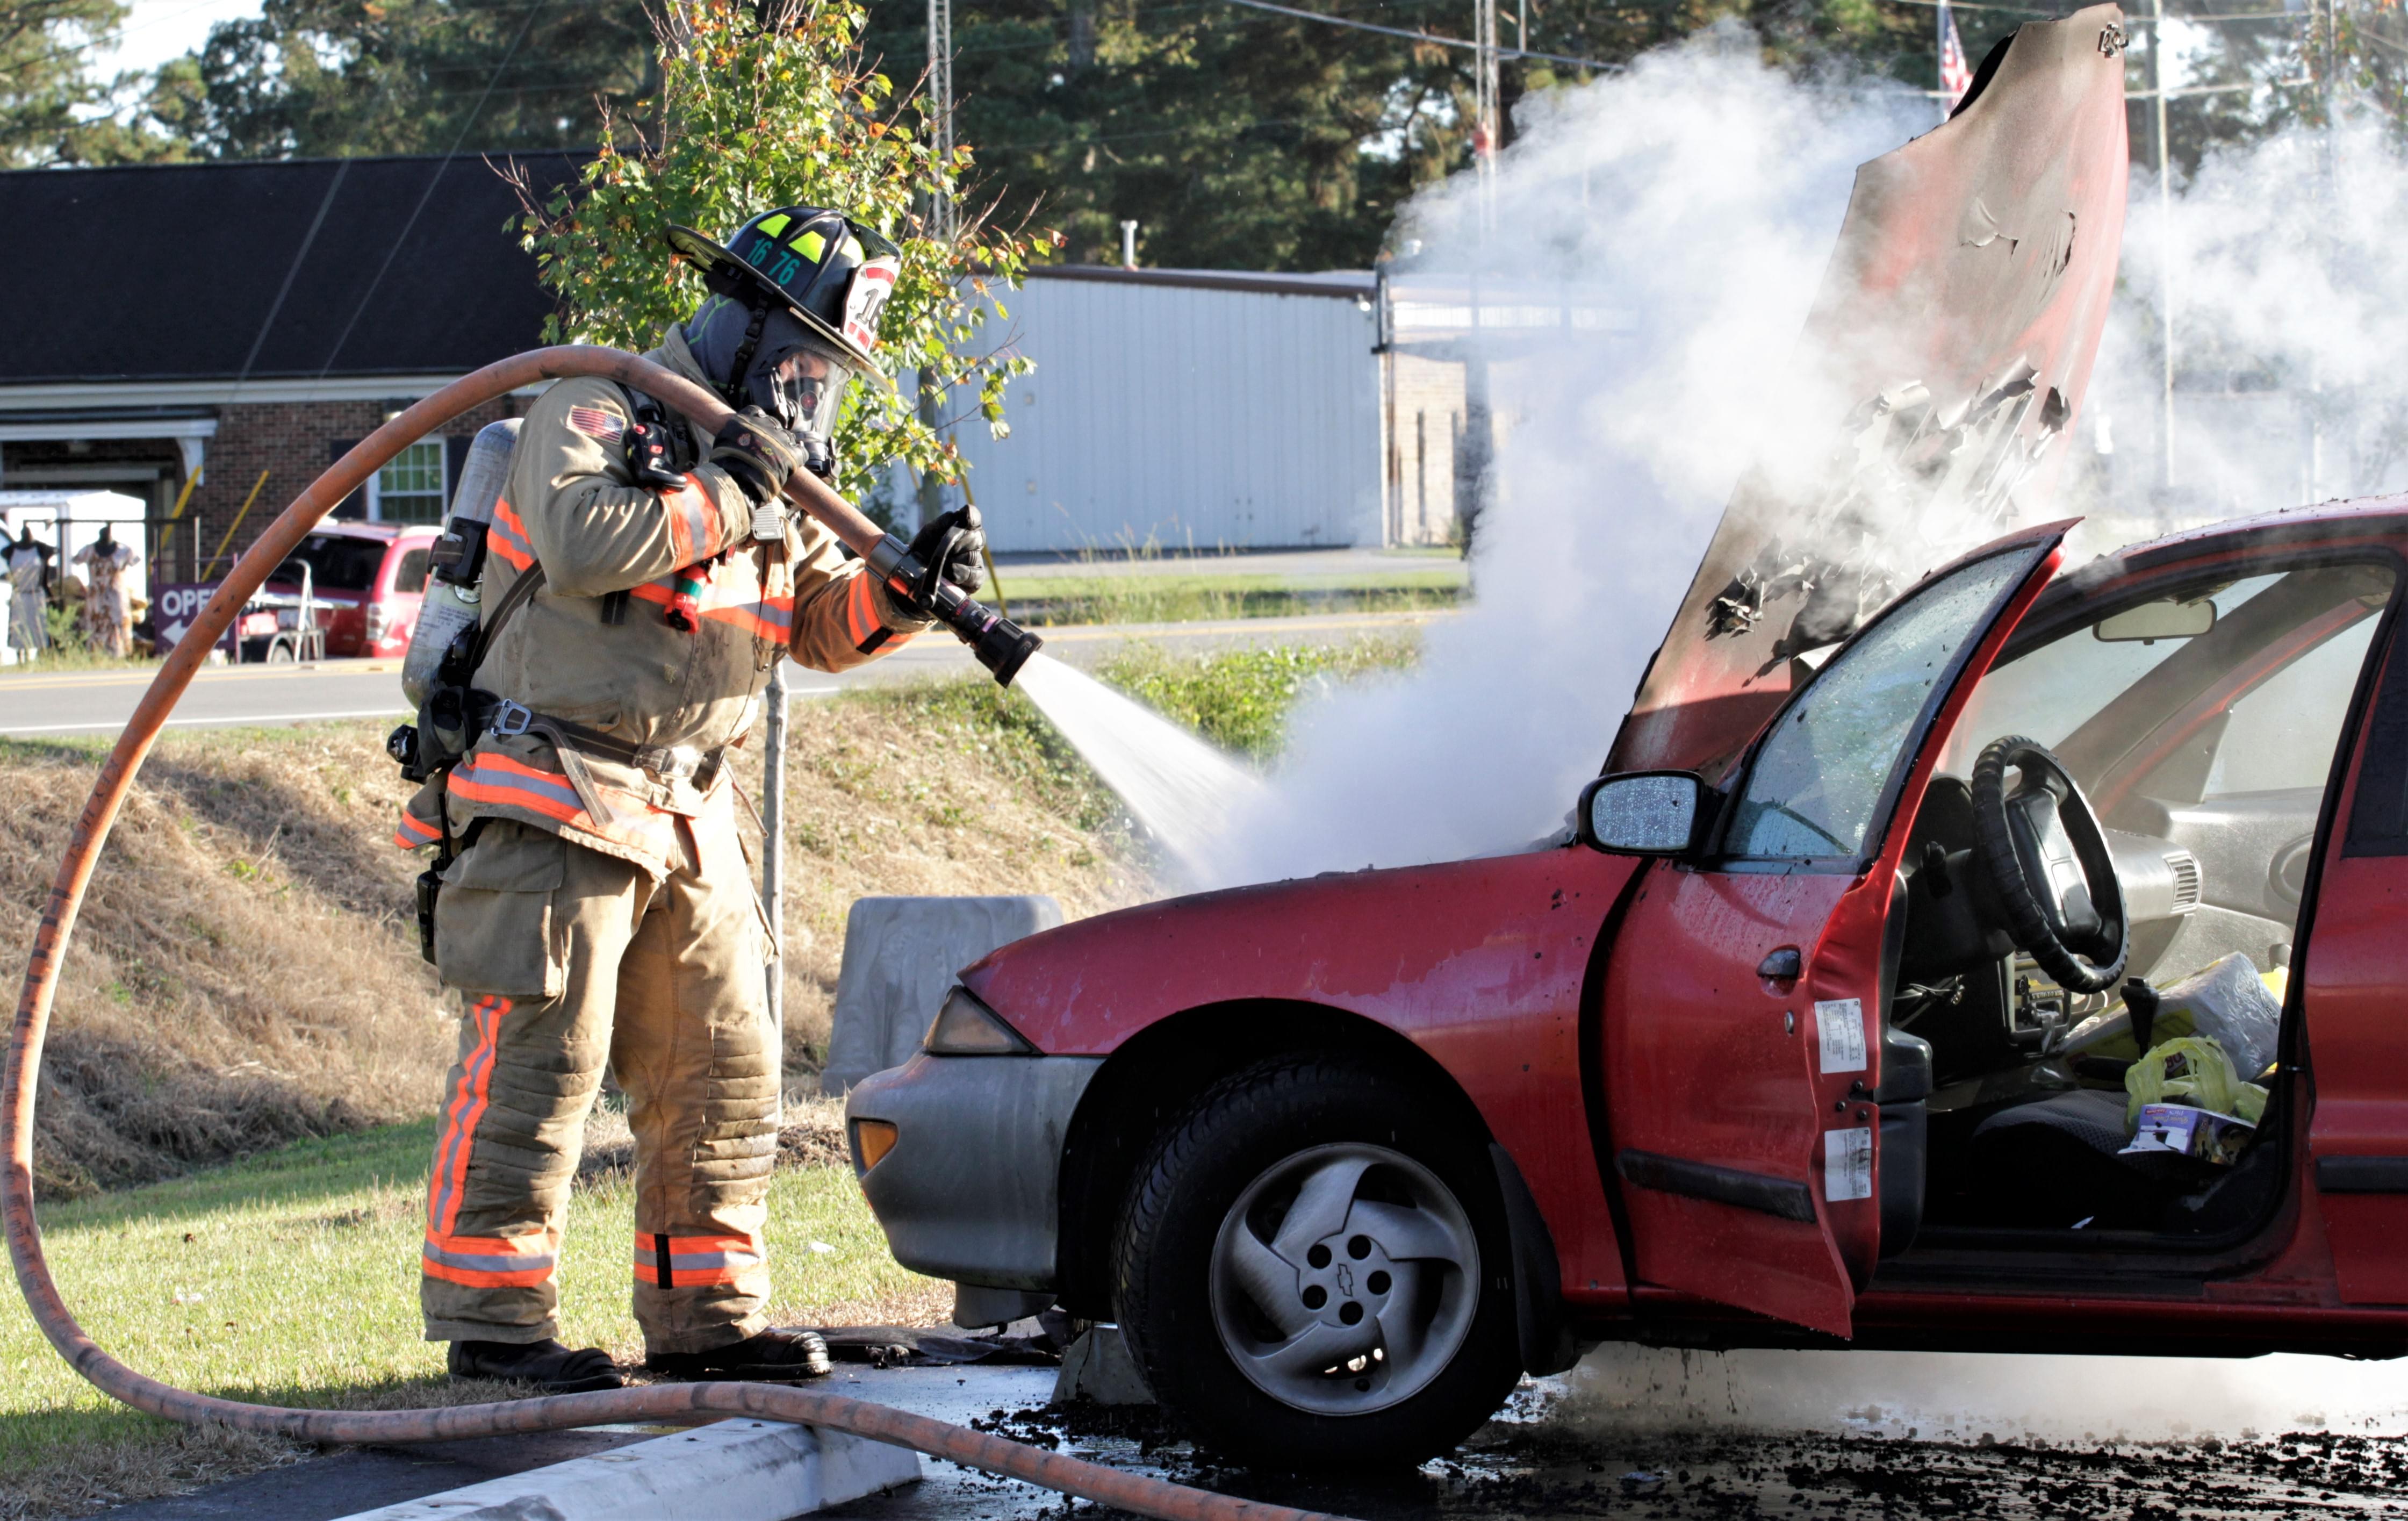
(1550, 1453)
(98, 702)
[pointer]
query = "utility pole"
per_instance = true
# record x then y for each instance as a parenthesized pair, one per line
(944, 220)
(1485, 130)
(2165, 249)
(941, 223)
(773, 851)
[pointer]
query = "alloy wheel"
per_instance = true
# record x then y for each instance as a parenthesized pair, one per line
(1344, 1279)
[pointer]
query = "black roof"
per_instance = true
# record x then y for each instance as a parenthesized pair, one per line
(189, 271)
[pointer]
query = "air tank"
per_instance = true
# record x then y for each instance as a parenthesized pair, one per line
(457, 568)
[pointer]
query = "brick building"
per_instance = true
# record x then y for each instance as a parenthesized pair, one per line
(231, 328)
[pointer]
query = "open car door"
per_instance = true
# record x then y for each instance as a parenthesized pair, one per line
(1749, 1074)
(1943, 363)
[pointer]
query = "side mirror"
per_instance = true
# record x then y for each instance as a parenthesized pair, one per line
(2164, 619)
(1644, 814)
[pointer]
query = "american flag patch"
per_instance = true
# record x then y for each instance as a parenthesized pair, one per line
(594, 423)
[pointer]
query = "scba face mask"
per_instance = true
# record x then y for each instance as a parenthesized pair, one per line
(800, 384)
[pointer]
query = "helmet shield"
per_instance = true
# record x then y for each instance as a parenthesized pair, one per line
(789, 370)
(801, 384)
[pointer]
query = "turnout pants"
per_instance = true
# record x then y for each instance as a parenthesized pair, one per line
(569, 960)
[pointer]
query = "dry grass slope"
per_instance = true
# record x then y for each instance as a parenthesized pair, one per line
(241, 975)
(246, 970)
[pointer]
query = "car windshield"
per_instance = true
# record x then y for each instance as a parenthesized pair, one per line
(1820, 773)
(338, 563)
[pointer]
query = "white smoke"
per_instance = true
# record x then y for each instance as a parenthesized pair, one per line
(2287, 260)
(1692, 202)
(1964, 1397)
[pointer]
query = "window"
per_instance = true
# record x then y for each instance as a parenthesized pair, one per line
(410, 575)
(2254, 704)
(1824, 769)
(338, 563)
(410, 488)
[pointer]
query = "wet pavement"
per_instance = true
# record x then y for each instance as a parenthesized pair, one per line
(1558, 1450)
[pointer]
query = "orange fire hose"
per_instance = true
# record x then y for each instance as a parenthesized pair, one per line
(973, 1449)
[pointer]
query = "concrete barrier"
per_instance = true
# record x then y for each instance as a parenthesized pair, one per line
(901, 954)
(731, 1470)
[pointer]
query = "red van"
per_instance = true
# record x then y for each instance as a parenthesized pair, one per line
(371, 576)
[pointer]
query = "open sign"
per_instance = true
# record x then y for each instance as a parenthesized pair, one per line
(174, 605)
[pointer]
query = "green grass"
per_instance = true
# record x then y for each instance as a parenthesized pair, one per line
(292, 1278)
(1064, 595)
(1240, 699)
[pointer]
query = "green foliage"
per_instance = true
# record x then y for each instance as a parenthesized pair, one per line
(329, 78)
(975, 714)
(1242, 140)
(749, 119)
(1240, 699)
(52, 111)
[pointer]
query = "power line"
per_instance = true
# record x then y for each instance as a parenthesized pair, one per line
(1419, 36)
(429, 193)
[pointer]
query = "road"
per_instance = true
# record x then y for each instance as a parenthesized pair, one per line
(98, 702)
(1549, 1454)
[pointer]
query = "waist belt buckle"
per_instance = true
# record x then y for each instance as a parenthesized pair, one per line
(512, 718)
(668, 761)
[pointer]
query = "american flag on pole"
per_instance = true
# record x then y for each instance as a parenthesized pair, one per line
(1955, 76)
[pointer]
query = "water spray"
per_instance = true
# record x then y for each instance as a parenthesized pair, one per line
(1002, 647)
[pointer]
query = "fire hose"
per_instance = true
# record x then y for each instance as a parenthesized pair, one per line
(999, 644)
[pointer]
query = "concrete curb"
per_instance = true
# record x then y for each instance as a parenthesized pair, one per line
(731, 1470)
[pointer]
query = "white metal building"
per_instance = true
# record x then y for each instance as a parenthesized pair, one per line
(1181, 409)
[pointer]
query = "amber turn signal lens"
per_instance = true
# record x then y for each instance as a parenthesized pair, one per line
(871, 1141)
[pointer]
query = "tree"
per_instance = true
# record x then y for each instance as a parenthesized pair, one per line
(51, 109)
(749, 118)
(326, 78)
(1239, 138)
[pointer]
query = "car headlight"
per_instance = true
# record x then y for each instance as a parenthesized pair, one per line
(967, 1027)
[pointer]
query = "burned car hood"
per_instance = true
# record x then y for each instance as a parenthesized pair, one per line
(1945, 355)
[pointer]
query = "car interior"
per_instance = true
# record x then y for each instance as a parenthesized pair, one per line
(2199, 720)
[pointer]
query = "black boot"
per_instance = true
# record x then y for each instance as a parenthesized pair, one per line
(546, 1364)
(772, 1356)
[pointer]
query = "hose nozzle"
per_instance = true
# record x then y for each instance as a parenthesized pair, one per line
(1000, 645)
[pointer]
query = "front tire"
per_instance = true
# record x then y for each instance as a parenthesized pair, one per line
(1315, 1270)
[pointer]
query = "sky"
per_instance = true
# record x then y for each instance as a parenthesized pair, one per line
(159, 29)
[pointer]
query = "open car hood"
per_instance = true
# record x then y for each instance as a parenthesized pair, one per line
(1946, 353)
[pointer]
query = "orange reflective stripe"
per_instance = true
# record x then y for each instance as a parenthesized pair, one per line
(488, 778)
(694, 1261)
(412, 832)
(447, 1179)
(693, 519)
(490, 1261)
(861, 612)
(509, 538)
(480, 1278)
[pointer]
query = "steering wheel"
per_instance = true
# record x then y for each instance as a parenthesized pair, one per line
(2047, 859)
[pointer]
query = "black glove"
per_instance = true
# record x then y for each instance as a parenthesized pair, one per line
(953, 547)
(758, 454)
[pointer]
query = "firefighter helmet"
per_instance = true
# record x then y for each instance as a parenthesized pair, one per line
(832, 272)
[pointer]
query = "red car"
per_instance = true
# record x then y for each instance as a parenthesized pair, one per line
(371, 577)
(1783, 1042)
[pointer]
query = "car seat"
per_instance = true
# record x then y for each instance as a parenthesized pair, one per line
(2059, 1162)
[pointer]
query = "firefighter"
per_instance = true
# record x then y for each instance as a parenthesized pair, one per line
(598, 909)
